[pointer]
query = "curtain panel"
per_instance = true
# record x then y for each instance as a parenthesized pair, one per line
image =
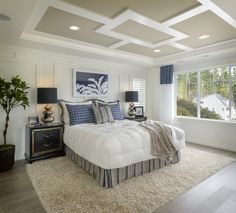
(167, 74)
(166, 94)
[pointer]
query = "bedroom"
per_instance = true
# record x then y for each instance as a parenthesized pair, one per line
(134, 44)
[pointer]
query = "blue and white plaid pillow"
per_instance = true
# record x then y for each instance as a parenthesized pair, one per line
(80, 114)
(115, 109)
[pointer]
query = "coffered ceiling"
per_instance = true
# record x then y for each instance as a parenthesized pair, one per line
(148, 29)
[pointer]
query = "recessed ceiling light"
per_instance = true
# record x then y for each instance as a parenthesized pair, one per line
(203, 37)
(156, 51)
(4, 17)
(74, 28)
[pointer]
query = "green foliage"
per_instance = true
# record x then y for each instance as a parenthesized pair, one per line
(13, 93)
(188, 108)
(206, 113)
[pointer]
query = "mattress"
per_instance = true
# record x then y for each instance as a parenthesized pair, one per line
(112, 145)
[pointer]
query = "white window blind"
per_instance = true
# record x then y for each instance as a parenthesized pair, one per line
(139, 84)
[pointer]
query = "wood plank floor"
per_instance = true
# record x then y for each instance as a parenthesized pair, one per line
(17, 194)
(216, 194)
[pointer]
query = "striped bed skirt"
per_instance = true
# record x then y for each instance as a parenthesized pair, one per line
(111, 177)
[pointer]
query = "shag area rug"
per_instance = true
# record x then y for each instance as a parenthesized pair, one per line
(63, 187)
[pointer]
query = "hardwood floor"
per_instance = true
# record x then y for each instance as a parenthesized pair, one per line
(216, 194)
(17, 194)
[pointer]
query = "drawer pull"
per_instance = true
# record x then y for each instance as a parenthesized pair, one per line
(48, 136)
(48, 144)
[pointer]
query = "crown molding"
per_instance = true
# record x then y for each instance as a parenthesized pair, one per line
(109, 24)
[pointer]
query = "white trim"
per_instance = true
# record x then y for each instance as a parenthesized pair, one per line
(78, 11)
(198, 95)
(185, 16)
(198, 71)
(29, 32)
(218, 11)
(205, 119)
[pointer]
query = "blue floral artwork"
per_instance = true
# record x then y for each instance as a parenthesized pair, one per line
(90, 84)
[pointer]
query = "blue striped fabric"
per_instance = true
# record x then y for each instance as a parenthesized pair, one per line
(80, 114)
(115, 110)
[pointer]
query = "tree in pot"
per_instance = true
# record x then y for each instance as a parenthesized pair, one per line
(13, 93)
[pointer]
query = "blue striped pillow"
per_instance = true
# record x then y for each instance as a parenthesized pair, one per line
(80, 114)
(115, 109)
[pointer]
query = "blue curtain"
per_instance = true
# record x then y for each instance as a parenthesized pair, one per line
(167, 74)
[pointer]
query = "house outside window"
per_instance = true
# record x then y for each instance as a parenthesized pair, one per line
(208, 93)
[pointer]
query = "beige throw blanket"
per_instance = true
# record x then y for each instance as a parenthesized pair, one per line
(163, 142)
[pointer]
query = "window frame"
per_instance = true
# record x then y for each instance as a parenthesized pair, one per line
(145, 92)
(198, 71)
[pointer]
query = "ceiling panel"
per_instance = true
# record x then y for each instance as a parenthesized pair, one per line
(138, 49)
(57, 22)
(158, 10)
(228, 6)
(140, 31)
(206, 23)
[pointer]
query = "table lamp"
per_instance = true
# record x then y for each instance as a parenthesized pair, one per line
(47, 96)
(131, 96)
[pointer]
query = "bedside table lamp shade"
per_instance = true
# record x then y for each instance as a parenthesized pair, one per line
(131, 96)
(47, 96)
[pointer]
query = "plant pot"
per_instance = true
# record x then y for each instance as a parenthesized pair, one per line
(7, 156)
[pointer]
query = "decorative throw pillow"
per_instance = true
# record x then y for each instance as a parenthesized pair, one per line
(65, 114)
(102, 114)
(80, 114)
(115, 109)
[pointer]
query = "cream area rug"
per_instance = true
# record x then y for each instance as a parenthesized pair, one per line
(63, 187)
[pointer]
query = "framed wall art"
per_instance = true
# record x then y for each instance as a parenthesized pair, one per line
(138, 111)
(89, 83)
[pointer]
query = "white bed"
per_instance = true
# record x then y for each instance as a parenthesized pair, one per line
(113, 145)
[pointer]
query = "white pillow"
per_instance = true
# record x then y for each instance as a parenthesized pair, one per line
(97, 102)
(65, 113)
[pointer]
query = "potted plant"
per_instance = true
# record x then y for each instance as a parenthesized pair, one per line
(12, 94)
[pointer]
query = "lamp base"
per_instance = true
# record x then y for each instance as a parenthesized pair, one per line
(47, 115)
(131, 111)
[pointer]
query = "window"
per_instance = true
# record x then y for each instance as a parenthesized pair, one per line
(187, 94)
(209, 93)
(233, 93)
(139, 84)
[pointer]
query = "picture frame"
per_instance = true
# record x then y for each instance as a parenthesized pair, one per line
(33, 120)
(139, 111)
(89, 83)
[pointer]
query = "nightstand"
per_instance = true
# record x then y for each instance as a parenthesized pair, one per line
(43, 141)
(139, 119)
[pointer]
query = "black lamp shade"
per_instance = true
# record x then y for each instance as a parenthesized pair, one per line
(131, 96)
(47, 95)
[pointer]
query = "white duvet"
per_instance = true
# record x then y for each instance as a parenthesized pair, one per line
(113, 145)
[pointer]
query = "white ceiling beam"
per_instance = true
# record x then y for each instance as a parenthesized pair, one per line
(185, 16)
(180, 46)
(61, 5)
(81, 46)
(218, 11)
(118, 44)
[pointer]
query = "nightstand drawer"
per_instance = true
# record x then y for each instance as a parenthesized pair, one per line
(46, 140)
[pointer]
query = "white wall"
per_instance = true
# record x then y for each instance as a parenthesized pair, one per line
(40, 69)
(205, 132)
